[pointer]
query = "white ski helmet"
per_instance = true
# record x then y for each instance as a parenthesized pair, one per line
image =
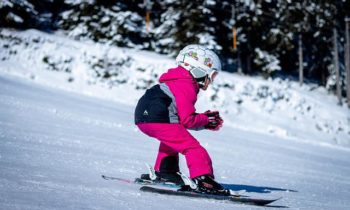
(199, 61)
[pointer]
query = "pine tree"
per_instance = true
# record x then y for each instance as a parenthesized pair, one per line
(113, 22)
(268, 31)
(17, 14)
(186, 22)
(39, 14)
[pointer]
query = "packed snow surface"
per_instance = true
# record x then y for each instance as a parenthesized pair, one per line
(55, 145)
(60, 130)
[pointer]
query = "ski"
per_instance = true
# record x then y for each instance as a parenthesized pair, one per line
(230, 198)
(141, 181)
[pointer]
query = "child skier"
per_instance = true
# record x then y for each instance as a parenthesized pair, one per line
(166, 111)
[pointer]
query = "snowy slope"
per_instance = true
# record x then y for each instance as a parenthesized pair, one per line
(278, 139)
(56, 144)
(279, 108)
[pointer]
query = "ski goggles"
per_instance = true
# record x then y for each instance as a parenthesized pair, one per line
(200, 73)
(200, 70)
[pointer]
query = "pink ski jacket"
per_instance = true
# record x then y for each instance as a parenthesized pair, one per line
(184, 90)
(171, 101)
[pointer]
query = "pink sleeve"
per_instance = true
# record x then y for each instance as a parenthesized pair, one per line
(186, 98)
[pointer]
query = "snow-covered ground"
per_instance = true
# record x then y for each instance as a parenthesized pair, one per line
(56, 144)
(62, 125)
(277, 107)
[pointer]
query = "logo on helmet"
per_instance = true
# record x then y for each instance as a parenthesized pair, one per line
(193, 55)
(208, 62)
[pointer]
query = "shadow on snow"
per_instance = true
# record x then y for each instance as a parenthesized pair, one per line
(254, 189)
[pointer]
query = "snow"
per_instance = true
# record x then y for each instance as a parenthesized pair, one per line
(277, 107)
(269, 62)
(14, 17)
(60, 130)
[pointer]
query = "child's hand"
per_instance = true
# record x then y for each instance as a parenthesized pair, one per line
(215, 121)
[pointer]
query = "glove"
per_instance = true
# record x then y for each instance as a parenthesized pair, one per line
(215, 121)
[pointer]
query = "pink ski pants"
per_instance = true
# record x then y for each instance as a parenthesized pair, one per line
(174, 139)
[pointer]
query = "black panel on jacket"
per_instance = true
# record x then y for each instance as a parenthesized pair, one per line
(153, 106)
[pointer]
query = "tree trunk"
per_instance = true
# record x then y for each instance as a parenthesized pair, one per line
(347, 58)
(301, 66)
(336, 64)
(249, 64)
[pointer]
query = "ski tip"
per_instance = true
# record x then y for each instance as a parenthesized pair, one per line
(269, 201)
(278, 198)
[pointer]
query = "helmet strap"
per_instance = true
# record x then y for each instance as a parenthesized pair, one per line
(201, 81)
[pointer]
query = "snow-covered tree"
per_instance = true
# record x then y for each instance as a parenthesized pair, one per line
(267, 30)
(40, 14)
(269, 63)
(186, 22)
(17, 14)
(112, 22)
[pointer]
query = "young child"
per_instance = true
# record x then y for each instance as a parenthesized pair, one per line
(166, 111)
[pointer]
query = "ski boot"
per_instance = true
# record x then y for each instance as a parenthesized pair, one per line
(168, 172)
(207, 184)
(164, 177)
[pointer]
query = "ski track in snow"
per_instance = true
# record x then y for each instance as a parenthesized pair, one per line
(56, 144)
